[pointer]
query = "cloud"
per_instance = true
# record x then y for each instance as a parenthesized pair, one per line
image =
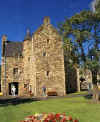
(93, 5)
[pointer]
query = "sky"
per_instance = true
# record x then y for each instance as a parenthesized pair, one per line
(18, 15)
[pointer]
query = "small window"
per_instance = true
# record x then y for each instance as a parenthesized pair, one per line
(47, 41)
(21, 55)
(25, 85)
(44, 53)
(28, 58)
(15, 71)
(47, 73)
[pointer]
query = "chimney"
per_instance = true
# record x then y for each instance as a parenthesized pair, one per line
(46, 20)
(4, 38)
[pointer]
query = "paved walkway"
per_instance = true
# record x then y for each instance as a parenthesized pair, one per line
(4, 101)
(67, 96)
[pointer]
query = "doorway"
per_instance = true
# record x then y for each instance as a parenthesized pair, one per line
(16, 85)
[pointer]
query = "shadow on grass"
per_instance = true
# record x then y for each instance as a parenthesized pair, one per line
(16, 101)
(5, 101)
(89, 96)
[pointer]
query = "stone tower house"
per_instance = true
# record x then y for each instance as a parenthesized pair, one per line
(33, 63)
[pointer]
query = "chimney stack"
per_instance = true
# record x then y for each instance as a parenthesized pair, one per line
(46, 20)
(4, 38)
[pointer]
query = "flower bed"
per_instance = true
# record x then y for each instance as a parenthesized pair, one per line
(49, 118)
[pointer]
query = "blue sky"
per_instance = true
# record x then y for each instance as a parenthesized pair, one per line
(18, 15)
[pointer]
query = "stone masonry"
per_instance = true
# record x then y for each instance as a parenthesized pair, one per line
(33, 63)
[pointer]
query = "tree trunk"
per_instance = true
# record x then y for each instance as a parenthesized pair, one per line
(95, 87)
(95, 94)
(78, 80)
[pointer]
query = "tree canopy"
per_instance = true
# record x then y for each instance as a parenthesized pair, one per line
(97, 6)
(81, 35)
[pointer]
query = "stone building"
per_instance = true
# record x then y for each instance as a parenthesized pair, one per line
(86, 79)
(33, 63)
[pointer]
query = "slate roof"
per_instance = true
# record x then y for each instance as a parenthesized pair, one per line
(13, 49)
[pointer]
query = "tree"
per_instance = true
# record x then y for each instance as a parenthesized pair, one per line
(96, 6)
(82, 32)
(0, 78)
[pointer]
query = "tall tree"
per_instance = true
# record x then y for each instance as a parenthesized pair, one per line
(0, 78)
(96, 6)
(83, 31)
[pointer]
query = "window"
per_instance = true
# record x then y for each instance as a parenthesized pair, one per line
(20, 55)
(28, 58)
(15, 71)
(47, 73)
(25, 85)
(44, 53)
(47, 41)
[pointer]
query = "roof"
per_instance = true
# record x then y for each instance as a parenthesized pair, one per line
(13, 49)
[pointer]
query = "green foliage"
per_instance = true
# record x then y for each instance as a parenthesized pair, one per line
(81, 35)
(97, 6)
(98, 81)
(0, 72)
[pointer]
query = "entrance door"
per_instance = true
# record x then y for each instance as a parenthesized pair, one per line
(15, 84)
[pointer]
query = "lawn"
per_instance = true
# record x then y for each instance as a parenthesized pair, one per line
(78, 107)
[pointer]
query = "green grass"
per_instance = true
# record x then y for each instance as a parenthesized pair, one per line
(81, 92)
(78, 107)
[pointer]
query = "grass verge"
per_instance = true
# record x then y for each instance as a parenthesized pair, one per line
(77, 107)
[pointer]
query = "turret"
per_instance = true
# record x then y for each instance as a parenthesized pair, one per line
(28, 35)
(4, 40)
(27, 48)
(3, 68)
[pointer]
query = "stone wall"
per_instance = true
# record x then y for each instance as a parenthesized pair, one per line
(85, 79)
(26, 63)
(11, 63)
(41, 63)
(47, 48)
